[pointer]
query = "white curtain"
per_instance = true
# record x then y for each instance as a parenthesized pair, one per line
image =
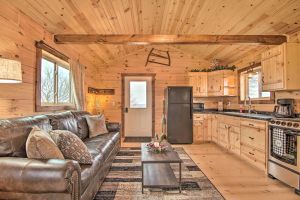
(77, 71)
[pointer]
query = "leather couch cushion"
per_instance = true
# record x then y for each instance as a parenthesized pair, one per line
(14, 133)
(71, 146)
(83, 129)
(100, 147)
(96, 125)
(39, 145)
(64, 121)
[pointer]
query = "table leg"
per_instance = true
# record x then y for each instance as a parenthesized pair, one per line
(142, 178)
(180, 177)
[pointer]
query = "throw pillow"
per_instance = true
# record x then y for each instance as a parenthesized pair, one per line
(71, 146)
(97, 125)
(39, 145)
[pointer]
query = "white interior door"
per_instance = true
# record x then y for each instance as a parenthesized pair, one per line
(138, 106)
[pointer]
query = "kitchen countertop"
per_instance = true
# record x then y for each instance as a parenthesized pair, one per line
(235, 113)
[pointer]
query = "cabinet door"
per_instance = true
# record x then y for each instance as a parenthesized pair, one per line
(207, 128)
(202, 84)
(234, 139)
(193, 82)
(214, 128)
(273, 69)
(223, 135)
(198, 131)
(215, 84)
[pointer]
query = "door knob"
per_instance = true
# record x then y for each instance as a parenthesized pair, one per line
(126, 110)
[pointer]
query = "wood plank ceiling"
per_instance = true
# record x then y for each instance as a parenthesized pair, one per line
(165, 17)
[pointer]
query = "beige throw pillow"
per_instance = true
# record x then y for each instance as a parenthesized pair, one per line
(97, 125)
(39, 145)
(71, 146)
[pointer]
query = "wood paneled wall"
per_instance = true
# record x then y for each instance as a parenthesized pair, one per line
(175, 75)
(18, 34)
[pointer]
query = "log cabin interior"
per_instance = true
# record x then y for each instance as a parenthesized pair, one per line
(150, 99)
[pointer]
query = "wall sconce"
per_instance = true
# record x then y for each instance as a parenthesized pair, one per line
(10, 71)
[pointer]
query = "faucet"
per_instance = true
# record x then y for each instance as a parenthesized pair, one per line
(249, 104)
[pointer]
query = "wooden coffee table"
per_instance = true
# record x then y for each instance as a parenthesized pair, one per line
(156, 168)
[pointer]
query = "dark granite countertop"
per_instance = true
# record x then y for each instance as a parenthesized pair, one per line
(266, 116)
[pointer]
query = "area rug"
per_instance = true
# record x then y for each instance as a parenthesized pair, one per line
(124, 180)
(137, 139)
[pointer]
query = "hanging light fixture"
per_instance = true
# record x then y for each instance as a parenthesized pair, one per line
(10, 71)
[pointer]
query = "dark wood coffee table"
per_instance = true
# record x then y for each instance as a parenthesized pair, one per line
(156, 169)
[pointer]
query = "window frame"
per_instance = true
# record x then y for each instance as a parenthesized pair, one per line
(39, 106)
(270, 100)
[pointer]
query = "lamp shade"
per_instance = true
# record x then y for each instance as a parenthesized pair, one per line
(10, 71)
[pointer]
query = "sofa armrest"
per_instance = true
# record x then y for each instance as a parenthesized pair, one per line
(113, 126)
(39, 176)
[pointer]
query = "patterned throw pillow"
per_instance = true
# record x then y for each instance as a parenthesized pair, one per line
(97, 125)
(71, 146)
(39, 145)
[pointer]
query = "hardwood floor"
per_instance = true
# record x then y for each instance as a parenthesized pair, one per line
(233, 177)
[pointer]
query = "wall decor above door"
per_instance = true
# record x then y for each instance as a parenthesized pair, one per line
(159, 57)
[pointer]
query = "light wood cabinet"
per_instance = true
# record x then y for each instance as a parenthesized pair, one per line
(198, 80)
(254, 141)
(280, 67)
(244, 137)
(229, 133)
(230, 84)
(217, 83)
(214, 128)
(201, 128)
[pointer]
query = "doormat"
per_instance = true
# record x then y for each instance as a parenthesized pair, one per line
(137, 139)
(124, 180)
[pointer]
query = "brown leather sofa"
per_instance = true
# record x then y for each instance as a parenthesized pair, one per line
(23, 178)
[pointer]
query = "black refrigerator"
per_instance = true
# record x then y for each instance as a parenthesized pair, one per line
(178, 111)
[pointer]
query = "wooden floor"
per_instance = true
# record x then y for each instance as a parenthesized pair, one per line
(234, 178)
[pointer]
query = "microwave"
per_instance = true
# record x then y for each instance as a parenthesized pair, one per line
(198, 107)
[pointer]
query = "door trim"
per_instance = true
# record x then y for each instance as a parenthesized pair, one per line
(123, 75)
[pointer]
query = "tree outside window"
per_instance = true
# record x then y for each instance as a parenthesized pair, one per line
(55, 83)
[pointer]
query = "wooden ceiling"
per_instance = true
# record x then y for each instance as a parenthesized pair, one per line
(233, 17)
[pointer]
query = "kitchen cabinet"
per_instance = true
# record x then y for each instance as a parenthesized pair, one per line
(214, 128)
(230, 83)
(198, 80)
(201, 128)
(229, 133)
(254, 141)
(280, 67)
(244, 137)
(217, 83)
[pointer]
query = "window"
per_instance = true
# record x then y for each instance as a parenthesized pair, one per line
(53, 81)
(138, 94)
(251, 85)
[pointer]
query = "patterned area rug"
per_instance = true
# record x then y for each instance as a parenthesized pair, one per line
(124, 180)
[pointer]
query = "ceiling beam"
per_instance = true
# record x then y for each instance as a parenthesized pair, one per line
(139, 39)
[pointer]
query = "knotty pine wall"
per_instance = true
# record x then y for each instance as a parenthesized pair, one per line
(18, 34)
(175, 75)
